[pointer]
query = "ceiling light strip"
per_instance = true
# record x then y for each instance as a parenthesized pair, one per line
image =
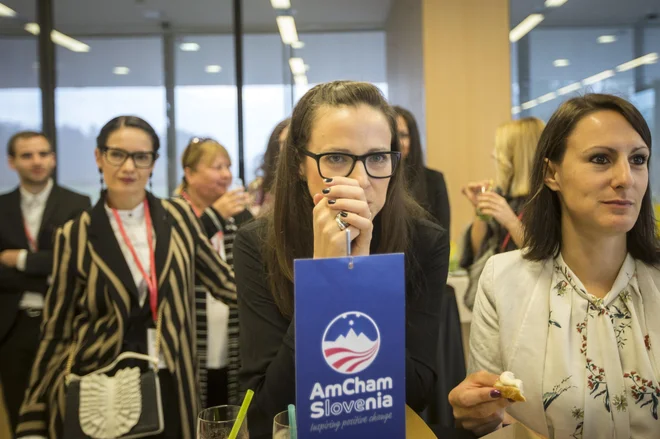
(59, 38)
(287, 26)
(525, 27)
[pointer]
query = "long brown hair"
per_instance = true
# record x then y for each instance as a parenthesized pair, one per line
(290, 231)
(542, 219)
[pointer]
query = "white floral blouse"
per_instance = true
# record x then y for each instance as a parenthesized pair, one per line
(599, 379)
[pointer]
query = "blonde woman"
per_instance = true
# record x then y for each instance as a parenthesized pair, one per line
(207, 179)
(497, 225)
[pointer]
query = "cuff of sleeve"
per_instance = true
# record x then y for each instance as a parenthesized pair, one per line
(21, 259)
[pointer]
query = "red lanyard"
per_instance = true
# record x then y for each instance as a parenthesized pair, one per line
(31, 242)
(151, 280)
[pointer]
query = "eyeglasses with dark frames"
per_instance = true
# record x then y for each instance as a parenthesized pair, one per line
(378, 164)
(118, 156)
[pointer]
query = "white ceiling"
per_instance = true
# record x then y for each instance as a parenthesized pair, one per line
(91, 17)
(145, 16)
(586, 12)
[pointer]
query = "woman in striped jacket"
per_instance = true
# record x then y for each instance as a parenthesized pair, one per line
(117, 267)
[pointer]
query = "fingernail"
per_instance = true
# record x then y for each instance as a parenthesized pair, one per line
(326, 191)
(332, 201)
(495, 394)
(344, 214)
(328, 180)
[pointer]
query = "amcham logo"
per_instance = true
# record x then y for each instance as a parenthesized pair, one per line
(351, 342)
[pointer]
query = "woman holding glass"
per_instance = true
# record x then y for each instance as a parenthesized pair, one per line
(122, 271)
(575, 314)
(206, 186)
(339, 170)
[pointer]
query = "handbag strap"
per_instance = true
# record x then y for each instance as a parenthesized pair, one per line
(124, 355)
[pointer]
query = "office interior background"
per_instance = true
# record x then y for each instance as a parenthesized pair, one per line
(184, 67)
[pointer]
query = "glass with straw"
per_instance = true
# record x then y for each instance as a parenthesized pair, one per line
(224, 422)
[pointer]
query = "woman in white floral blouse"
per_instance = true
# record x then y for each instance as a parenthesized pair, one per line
(576, 313)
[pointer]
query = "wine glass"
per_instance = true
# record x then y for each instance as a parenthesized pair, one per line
(217, 422)
(281, 426)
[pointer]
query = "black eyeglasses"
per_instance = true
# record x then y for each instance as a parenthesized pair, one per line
(117, 157)
(380, 164)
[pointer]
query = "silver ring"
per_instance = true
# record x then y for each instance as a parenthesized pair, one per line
(343, 225)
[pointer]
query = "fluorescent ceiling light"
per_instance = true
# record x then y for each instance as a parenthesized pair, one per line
(300, 79)
(561, 63)
(606, 39)
(297, 66)
(6, 11)
(598, 77)
(546, 97)
(525, 27)
(59, 38)
(529, 104)
(121, 70)
(650, 58)
(569, 88)
(213, 69)
(287, 27)
(281, 4)
(515, 110)
(554, 3)
(189, 47)
(297, 44)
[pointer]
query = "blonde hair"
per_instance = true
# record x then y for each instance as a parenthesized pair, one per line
(515, 145)
(200, 151)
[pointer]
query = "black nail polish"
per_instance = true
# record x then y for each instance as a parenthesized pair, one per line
(344, 214)
(332, 201)
(495, 394)
(326, 191)
(328, 180)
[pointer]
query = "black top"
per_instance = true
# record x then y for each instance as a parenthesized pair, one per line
(61, 206)
(437, 198)
(267, 338)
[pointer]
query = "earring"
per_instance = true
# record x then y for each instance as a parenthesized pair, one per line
(151, 183)
(101, 180)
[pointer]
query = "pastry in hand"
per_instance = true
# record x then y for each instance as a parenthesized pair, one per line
(510, 387)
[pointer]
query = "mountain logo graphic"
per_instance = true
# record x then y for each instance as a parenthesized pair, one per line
(351, 342)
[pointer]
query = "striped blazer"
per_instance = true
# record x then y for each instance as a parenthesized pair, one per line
(91, 297)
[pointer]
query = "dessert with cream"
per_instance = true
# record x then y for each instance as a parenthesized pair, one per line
(510, 387)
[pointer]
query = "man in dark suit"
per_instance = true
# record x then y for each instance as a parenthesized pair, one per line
(29, 217)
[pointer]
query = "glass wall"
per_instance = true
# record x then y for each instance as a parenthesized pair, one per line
(205, 93)
(20, 97)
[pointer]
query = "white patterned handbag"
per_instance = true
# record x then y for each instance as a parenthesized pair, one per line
(127, 405)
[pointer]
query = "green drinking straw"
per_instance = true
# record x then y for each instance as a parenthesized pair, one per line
(293, 429)
(241, 414)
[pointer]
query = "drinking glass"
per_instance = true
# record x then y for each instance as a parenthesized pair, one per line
(217, 422)
(486, 188)
(281, 426)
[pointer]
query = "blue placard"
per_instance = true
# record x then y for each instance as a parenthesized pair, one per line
(350, 347)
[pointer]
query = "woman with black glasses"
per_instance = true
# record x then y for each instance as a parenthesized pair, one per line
(337, 170)
(123, 281)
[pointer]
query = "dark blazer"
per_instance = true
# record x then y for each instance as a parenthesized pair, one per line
(93, 293)
(61, 206)
(267, 338)
(437, 203)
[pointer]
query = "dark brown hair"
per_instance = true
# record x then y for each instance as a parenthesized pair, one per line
(542, 219)
(22, 135)
(290, 229)
(414, 162)
(269, 166)
(127, 121)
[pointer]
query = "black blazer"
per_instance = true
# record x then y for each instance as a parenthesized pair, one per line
(61, 206)
(91, 299)
(437, 203)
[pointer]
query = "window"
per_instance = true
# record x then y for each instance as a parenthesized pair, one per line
(20, 96)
